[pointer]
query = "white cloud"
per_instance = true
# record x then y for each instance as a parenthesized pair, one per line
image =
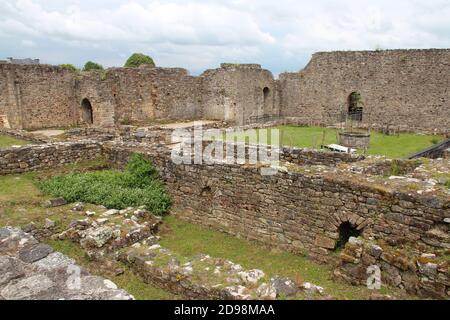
(198, 34)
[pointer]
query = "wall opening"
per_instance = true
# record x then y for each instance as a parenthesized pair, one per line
(355, 107)
(86, 111)
(206, 191)
(346, 231)
(267, 108)
(266, 92)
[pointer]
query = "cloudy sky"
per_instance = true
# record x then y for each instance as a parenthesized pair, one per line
(199, 34)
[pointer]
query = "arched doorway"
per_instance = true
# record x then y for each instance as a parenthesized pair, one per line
(346, 231)
(86, 111)
(266, 101)
(355, 107)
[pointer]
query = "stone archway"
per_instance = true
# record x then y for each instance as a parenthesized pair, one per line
(86, 111)
(266, 101)
(355, 106)
(340, 228)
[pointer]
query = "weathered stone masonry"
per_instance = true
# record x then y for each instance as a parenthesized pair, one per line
(298, 212)
(46, 156)
(407, 89)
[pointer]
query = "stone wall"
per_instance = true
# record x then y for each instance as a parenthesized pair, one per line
(298, 212)
(239, 93)
(46, 156)
(408, 89)
(36, 96)
(423, 274)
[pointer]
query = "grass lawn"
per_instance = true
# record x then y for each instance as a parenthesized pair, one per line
(187, 239)
(7, 141)
(390, 146)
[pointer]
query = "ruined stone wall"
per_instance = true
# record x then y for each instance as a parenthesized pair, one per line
(235, 93)
(46, 156)
(298, 212)
(154, 93)
(409, 89)
(423, 274)
(36, 96)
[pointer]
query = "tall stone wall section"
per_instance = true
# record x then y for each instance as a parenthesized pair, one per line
(36, 96)
(154, 93)
(239, 93)
(409, 89)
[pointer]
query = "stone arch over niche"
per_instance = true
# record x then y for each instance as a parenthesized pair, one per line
(87, 114)
(355, 106)
(341, 227)
(266, 100)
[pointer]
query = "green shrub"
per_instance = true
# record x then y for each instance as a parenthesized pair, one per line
(92, 66)
(138, 185)
(435, 140)
(138, 59)
(448, 183)
(69, 67)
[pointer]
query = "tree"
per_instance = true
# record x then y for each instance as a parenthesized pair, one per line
(92, 66)
(138, 59)
(69, 67)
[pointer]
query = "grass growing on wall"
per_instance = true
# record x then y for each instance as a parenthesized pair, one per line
(7, 141)
(138, 185)
(393, 147)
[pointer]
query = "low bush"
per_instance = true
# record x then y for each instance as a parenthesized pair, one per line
(138, 185)
(69, 67)
(92, 66)
(138, 59)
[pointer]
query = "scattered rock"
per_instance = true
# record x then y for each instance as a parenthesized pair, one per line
(376, 251)
(238, 292)
(355, 241)
(34, 253)
(79, 206)
(29, 227)
(97, 237)
(266, 292)
(10, 268)
(284, 286)
(111, 212)
(49, 224)
(57, 202)
(102, 221)
(312, 288)
(33, 287)
(251, 276)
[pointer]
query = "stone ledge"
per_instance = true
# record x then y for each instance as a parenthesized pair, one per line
(32, 271)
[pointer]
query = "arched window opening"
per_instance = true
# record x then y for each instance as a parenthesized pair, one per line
(86, 111)
(355, 106)
(346, 231)
(266, 92)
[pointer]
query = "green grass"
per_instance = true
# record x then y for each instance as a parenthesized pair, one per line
(187, 239)
(390, 146)
(7, 141)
